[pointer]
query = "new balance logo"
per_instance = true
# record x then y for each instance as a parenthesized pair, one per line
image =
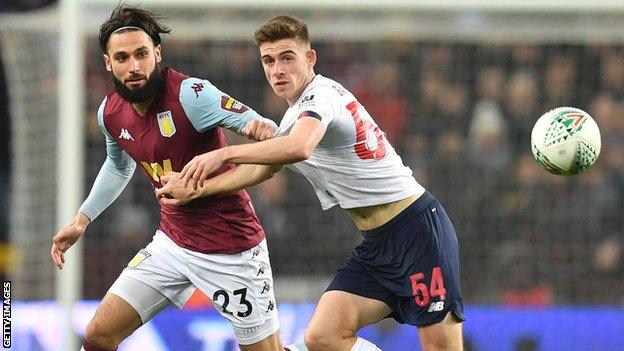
(436, 306)
(125, 134)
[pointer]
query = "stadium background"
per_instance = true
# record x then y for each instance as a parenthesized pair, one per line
(456, 89)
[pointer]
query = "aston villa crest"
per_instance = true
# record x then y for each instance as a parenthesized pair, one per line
(165, 124)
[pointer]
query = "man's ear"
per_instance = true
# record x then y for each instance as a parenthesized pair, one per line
(107, 63)
(158, 53)
(311, 57)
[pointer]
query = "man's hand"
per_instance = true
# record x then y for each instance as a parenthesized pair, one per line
(200, 167)
(173, 192)
(258, 130)
(66, 237)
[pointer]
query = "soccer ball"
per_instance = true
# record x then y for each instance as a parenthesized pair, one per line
(565, 141)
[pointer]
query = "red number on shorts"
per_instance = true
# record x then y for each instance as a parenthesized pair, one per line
(437, 283)
(369, 139)
(422, 293)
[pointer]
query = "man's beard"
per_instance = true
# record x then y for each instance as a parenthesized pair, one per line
(143, 94)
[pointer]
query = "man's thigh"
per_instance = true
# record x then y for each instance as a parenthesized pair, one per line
(344, 313)
(241, 287)
(445, 335)
(114, 318)
(270, 343)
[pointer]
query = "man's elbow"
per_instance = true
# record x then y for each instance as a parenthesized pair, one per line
(301, 153)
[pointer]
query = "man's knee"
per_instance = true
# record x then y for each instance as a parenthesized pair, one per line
(444, 336)
(443, 345)
(98, 335)
(316, 341)
(319, 339)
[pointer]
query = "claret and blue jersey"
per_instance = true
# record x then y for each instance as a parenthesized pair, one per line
(183, 121)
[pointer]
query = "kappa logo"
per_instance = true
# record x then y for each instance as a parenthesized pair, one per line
(125, 134)
(261, 270)
(228, 103)
(266, 287)
(197, 87)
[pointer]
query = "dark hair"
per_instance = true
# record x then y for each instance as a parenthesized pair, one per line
(124, 16)
(282, 27)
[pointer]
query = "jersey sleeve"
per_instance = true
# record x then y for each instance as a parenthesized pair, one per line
(208, 107)
(113, 177)
(317, 104)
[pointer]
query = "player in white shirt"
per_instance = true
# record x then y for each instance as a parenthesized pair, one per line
(407, 266)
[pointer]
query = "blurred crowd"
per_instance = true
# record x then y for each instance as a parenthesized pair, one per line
(461, 117)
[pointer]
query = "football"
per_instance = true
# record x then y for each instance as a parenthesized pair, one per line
(565, 141)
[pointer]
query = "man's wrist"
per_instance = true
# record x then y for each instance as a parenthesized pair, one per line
(225, 154)
(201, 191)
(82, 218)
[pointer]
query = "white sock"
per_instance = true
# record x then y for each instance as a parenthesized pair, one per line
(300, 346)
(364, 345)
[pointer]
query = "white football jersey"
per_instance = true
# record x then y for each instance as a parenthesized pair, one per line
(353, 165)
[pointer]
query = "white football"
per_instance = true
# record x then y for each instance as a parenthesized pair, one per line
(565, 141)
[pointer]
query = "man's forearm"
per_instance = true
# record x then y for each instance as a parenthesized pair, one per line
(241, 177)
(281, 150)
(292, 148)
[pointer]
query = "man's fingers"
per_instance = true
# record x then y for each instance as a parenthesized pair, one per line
(58, 259)
(53, 254)
(166, 201)
(165, 179)
(160, 192)
(203, 176)
(246, 132)
(185, 169)
(187, 178)
(190, 174)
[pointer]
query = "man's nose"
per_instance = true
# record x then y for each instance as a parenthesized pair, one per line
(278, 69)
(135, 66)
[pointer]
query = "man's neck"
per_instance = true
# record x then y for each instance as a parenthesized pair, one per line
(310, 79)
(142, 107)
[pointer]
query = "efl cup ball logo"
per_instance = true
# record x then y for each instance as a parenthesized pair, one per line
(565, 141)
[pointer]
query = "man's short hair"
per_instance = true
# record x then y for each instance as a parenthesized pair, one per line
(282, 27)
(128, 18)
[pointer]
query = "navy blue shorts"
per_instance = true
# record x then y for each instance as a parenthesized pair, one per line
(411, 263)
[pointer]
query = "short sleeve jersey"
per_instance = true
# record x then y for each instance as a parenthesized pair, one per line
(353, 165)
(183, 121)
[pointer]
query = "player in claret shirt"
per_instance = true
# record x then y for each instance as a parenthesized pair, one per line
(407, 266)
(160, 118)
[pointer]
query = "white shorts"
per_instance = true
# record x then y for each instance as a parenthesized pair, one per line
(240, 285)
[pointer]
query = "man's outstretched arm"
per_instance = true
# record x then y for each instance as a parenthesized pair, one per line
(174, 193)
(294, 147)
